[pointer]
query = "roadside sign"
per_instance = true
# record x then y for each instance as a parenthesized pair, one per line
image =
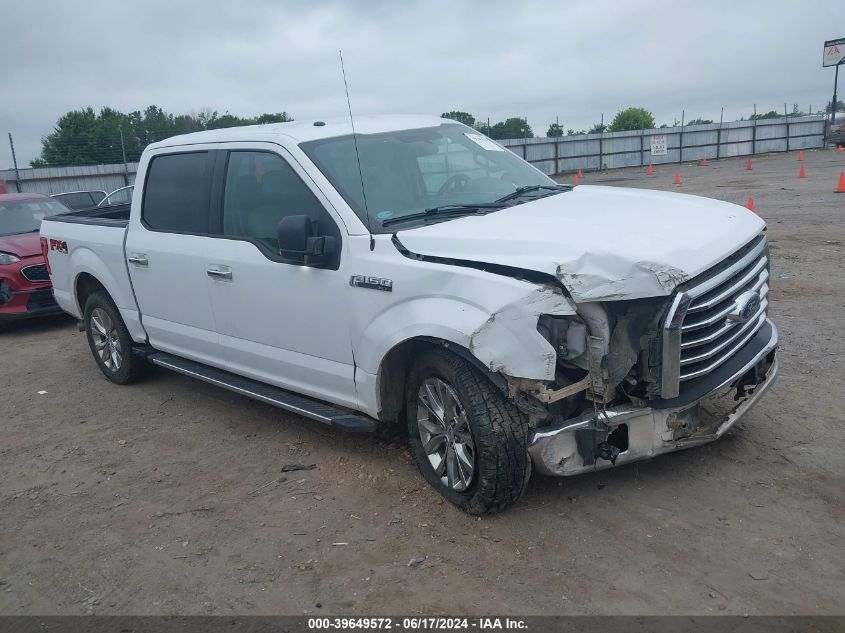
(834, 52)
(658, 145)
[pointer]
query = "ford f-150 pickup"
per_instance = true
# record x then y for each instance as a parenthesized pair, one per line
(414, 272)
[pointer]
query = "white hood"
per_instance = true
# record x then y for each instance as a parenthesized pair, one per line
(603, 243)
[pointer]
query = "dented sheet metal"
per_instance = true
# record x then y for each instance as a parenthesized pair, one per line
(650, 432)
(602, 243)
(507, 341)
(607, 278)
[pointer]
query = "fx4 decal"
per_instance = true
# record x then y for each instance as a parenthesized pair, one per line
(58, 245)
(373, 283)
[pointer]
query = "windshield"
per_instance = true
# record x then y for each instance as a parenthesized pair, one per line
(24, 216)
(408, 171)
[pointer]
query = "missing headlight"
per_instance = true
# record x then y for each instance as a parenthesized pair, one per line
(568, 335)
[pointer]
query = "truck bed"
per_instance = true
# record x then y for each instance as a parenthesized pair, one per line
(114, 215)
(90, 242)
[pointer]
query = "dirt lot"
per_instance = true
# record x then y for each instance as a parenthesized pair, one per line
(166, 497)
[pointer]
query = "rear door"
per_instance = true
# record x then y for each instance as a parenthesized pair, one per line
(280, 322)
(167, 248)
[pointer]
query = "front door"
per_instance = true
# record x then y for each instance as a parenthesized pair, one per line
(279, 322)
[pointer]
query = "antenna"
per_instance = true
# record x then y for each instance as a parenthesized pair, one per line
(357, 155)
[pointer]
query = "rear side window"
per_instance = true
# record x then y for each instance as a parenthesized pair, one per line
(177, 193)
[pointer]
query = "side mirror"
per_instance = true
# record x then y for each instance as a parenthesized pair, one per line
(298, 242)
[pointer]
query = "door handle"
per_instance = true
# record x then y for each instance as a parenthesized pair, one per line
(222, 272)
(139, 259)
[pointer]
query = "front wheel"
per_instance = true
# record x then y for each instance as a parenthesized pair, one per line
(110, 341)
(468, 441)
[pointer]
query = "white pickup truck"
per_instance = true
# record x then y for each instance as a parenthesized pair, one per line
(417, 273)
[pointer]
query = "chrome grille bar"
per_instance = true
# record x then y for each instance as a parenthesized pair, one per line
(705, 326)
(732, 289)
(757, 287)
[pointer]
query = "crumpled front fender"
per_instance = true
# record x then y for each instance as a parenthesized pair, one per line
(509, 343)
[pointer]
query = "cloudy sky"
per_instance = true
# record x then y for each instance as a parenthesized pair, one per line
(575, 60)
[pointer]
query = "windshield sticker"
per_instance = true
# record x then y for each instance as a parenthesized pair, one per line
(484, 142)
(383, 215)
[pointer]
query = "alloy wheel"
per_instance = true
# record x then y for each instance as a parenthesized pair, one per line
(445, 433)
(106, 341)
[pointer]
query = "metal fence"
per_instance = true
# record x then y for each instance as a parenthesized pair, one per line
(551, 155)
(687, 143)
(50, 180)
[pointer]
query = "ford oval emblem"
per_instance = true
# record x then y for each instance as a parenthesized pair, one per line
(745, 307)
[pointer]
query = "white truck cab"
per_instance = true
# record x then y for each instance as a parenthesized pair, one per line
(419, 274)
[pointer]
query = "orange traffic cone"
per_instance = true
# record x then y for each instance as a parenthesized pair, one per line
(841, 187)
(575, 180)
(802, 173)
(800, 154)
(703, 162)
(677, 178)
(580, 173)
(838, 149)
(748, 165)
(650, 170)
(750, 204)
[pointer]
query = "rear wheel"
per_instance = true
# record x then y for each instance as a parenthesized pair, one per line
(469, 442)
(110, 342)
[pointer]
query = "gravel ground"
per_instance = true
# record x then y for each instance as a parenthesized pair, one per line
(168, 498)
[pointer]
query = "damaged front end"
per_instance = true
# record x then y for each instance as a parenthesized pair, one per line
(623, 433)
(638, 378)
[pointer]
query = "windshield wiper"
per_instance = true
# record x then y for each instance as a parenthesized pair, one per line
(520, 191)
(447, 210)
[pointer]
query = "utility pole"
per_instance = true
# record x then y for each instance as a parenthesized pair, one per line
(719, 134)
(601, 138)
(125, 167)
(681, 141)
(786, 116)
(754, 133)
(15, 163)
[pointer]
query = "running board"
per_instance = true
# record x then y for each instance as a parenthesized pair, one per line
(314, 409)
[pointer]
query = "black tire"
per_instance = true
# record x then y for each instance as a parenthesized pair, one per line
(131, 367)
(499, 432)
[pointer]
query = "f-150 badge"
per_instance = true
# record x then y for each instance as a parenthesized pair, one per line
(373, 283)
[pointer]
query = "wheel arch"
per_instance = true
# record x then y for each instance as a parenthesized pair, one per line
(85, 285)
(393, 371)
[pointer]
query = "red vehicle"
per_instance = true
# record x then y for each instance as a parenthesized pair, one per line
(25, 289)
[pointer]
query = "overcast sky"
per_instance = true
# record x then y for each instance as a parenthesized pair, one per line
(575, 60)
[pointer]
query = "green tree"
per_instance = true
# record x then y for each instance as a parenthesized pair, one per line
(840, 106)
(513, 127)
(278, 117)
(598, 128)
(483, 127)
(771, 114)
(699, 121)
(555, 130)
(461, 117)
(571, 132)
(83, 137)
(631, 119)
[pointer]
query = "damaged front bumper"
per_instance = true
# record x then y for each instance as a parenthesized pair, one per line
(583, 444)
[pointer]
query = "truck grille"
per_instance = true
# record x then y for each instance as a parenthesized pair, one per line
(704, 327)
(36, 273)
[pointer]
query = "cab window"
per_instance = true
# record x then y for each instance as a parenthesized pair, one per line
(260, 189)
(177, 192)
